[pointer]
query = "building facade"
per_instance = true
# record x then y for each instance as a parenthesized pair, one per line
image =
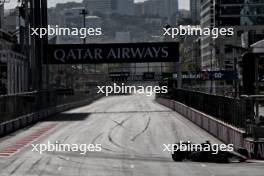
(208, 50)
(247, 20)
(245, 17)
(161, 8)
(102, 6)
(13, 67)
(122, 7)
(125, 7)
(139, 9)
(195, 9)
(240, 12)
(1, 15)
(172, 7)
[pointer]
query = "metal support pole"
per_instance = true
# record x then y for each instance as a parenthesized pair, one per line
(26, 36)
(34, 48)
(179, 75)
(45, 39)
(211, 69)
(257, 88)
(235, 69)
(84, 13)
(256, 76)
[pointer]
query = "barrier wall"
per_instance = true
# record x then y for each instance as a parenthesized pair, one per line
(26, 120)
(224, 132)
(255, 148)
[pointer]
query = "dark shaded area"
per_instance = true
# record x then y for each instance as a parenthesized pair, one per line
(128, 112)
(14, 106)
(68, 117)
(249, 74)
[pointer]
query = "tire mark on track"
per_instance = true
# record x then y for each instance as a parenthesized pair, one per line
(33, 165)
(47, 163)
(112, 141)
(110, 150)
(97, 137)
(112, 130)
(17, 167)
(143, 131)
(67, 137)
(117, 124)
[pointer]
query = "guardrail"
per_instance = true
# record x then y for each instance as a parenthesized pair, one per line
(229, 110)
(224, 132)
(233, 121)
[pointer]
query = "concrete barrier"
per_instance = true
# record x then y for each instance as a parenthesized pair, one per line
(16, 124)
(205, 124)
(35, 117)
(23, 121)
(30, 119)
(199, 119)
(213, 127)
(1, 130)
(8, 127)
(222, 131)
(26, 120)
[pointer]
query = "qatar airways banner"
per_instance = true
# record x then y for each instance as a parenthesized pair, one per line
(113, 53)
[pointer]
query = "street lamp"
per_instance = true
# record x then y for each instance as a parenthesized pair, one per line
(84, 13)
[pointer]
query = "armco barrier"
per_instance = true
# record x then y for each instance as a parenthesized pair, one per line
(1, 129)
(26, 120)
(222, 131)
(23, 121)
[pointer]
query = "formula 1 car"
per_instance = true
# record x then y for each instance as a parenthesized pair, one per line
(202, 154)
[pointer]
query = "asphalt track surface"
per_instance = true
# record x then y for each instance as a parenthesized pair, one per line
(132, 131)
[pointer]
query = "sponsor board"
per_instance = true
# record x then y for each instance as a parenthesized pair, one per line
(113, 53)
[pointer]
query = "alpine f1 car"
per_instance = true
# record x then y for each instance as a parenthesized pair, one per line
(206, 152)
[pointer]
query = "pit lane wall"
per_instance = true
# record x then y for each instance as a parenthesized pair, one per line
(222, 131)
(11, 126)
